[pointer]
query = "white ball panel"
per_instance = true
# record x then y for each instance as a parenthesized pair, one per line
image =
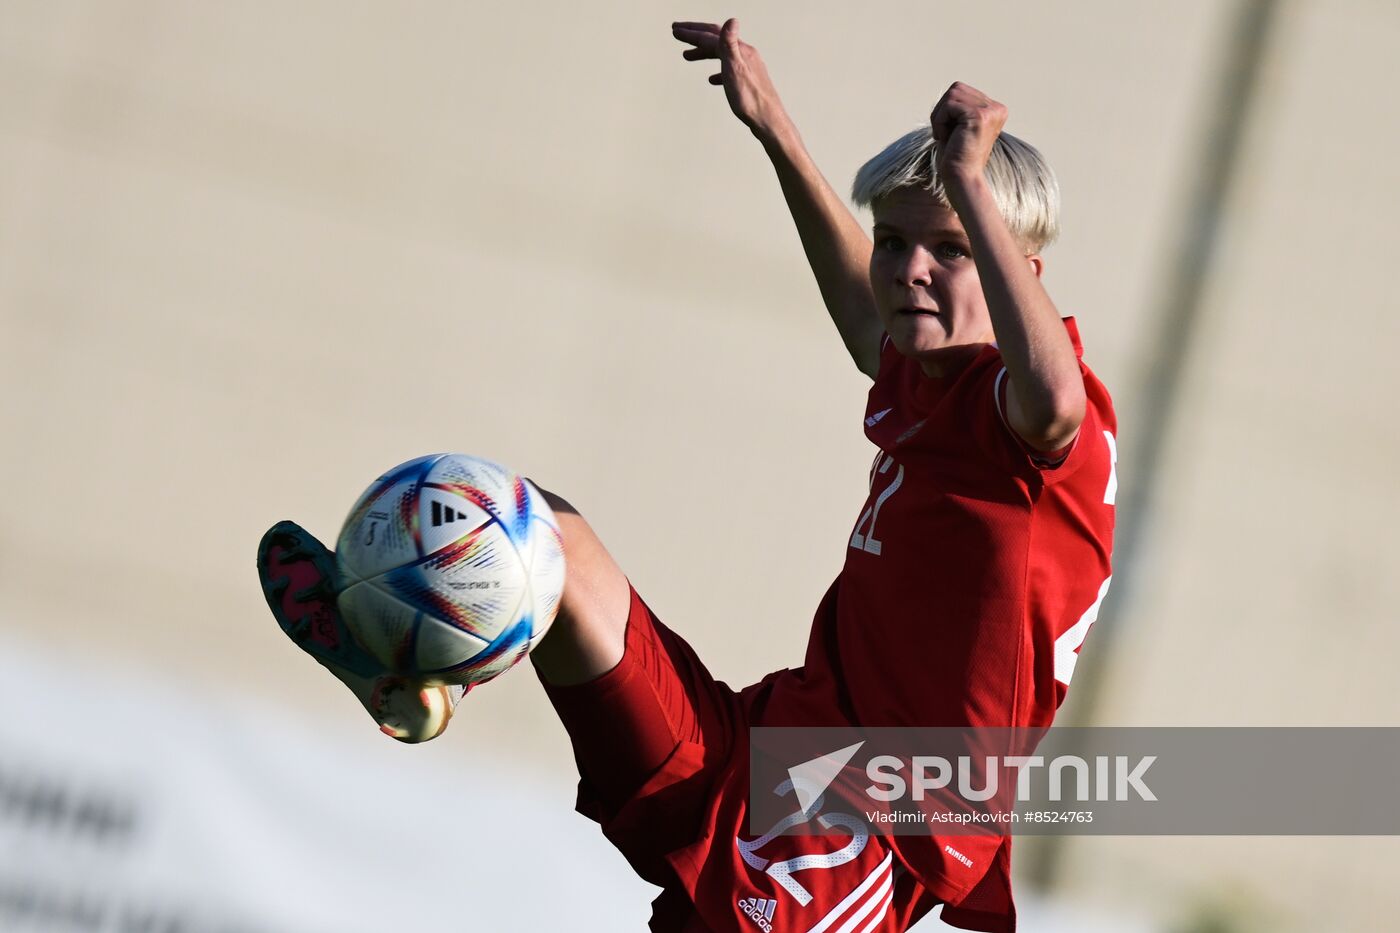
(382, 624)
(381, 531)
(441, 645)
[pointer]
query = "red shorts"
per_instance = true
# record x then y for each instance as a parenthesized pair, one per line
(662, 754)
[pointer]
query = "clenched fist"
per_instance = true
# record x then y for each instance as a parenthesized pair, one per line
(966, 124)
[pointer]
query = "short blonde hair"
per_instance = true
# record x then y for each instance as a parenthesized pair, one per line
(1022, 182)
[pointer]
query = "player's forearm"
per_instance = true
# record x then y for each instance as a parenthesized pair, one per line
(837, 248)
(1036, 349)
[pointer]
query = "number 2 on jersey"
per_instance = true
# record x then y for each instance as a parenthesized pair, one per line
(868, 542)
(782, 871)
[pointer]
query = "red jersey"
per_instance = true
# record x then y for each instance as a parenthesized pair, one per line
(972, 571)
(972, 575)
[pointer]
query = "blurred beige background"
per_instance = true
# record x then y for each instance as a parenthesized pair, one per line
(253, 254)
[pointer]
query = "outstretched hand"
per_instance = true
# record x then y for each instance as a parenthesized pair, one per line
(742, 74)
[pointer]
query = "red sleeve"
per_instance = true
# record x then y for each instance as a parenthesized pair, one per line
(1008, 449)
(1043, 459)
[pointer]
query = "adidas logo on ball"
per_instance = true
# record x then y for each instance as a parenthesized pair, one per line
(442, 515)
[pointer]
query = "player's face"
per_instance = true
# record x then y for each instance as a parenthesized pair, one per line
(926, 285)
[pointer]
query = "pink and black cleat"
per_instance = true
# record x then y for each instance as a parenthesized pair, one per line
(298, 576)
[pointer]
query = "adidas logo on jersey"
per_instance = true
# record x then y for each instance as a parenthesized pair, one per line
(444, 514)
(875, 418)
(760, 911)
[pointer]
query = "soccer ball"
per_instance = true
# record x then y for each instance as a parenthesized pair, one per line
(451, 568)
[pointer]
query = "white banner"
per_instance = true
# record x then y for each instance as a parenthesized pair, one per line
(139, 808)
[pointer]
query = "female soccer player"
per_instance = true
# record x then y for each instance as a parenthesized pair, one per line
(974, 569)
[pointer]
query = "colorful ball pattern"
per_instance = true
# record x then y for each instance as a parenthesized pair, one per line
(451, 568)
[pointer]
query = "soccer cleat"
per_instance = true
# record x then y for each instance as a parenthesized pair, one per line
(298, 577)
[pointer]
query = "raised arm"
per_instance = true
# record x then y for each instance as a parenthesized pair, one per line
(1045, 394)
(837, 248)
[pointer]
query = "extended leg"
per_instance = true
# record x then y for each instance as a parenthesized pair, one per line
(629, 731)
(627, 689)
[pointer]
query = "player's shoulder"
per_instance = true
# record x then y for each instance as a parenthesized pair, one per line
(1094, 443)
(1098, 393)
